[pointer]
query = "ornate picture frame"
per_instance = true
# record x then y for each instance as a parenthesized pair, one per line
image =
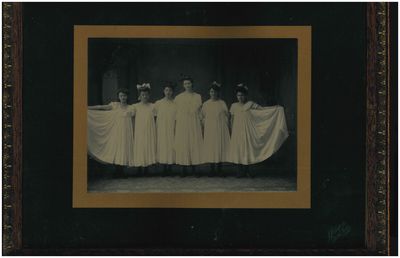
(380, 147)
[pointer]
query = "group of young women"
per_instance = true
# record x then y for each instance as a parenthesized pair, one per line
(184, 130)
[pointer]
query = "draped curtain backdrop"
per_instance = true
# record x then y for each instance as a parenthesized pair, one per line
(267, 66)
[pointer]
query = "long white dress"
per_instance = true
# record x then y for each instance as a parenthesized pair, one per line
(145, 135)
(256, 133)
(188, 133)
(110, 135)
(216, 131)
(166, 116)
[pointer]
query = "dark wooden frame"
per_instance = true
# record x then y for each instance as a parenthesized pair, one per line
(380, 158)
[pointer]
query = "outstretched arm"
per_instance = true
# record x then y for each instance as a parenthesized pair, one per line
(100, 107)
(258, 107)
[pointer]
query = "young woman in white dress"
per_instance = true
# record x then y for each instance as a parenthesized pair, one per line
(145, 131)
(188, 133)
(165, 109)
(257, 132)
(216, 130)
(110, 133)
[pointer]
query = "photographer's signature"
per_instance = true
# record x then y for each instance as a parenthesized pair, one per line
(338, 231)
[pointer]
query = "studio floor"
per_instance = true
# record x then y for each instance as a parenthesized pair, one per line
(277, 173)
(192, 184)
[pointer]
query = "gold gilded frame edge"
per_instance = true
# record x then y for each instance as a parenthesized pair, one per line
(378, 195)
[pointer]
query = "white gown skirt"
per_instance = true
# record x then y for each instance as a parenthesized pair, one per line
(188, 140)
(216, 140)
(110, 137)
(165, 140)
(257, 134)
(145, 140)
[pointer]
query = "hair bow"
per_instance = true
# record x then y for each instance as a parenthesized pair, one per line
(143, 86)
(214, 83)
(243, 86)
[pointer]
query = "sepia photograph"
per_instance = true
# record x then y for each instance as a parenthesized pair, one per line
(191, 115)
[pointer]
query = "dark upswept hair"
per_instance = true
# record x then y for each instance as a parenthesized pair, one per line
(215, 86)
(144, 90)
(242, 88)
(186, 78)
(169, 84)
(123, 90)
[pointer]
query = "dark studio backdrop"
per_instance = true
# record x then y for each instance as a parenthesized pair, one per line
(337, 147)
(267, 66)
